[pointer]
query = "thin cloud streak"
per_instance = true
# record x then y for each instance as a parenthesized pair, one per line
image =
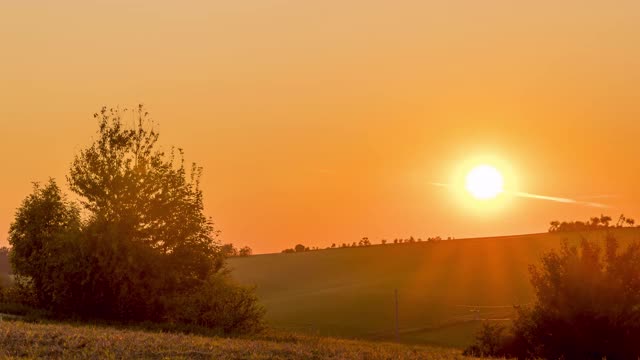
(559, 199)
(597, 197)
(540, 197)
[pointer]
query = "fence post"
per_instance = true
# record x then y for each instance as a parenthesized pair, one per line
(397, 320)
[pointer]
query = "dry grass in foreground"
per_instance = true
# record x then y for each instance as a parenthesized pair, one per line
(62, 341)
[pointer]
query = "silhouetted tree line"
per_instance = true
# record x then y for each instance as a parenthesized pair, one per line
(138, 245)
(595, 223)
(364, 242)
(229, 250)
(587, 307)
(412, 240)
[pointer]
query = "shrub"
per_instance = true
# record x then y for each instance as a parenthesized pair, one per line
(17, 297)
(5, 266)
(219, 303)
(587, 307)
(490, 341)
(19, 292)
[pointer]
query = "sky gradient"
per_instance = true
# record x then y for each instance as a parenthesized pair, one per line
(321, 123)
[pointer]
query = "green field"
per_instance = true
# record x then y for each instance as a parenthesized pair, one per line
(19, 340)
(446, 289)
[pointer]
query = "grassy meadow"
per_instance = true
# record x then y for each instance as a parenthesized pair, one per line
(446, 289)
(60, 341)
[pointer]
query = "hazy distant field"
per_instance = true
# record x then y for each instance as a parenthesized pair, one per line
(445, 288)
(53, 341)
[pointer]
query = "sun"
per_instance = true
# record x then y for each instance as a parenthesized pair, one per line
(484, 182)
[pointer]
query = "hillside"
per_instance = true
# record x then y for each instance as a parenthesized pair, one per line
(445, 289)
(57, 341)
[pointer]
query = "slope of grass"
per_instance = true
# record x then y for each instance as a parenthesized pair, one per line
(59, 341)
(445, 289)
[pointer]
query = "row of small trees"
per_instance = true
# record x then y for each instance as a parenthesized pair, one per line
(412, 240)
(364, 242)
(594, 223)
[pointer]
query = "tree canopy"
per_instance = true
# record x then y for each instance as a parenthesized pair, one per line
(124, 178)
(139, 239)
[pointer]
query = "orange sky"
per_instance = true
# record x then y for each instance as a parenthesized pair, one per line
(325, 122)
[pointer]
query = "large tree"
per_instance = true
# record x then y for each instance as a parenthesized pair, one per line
(138, 243)
(124, 178)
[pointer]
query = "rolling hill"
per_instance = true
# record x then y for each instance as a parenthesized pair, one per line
(446, 289)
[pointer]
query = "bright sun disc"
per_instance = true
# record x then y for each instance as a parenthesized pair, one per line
(484, 182)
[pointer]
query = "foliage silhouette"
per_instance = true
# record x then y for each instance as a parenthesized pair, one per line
(594, 223)
(587, 307)
(229, 250)
(142, 241)
(5, 265)
(245, 251)
(44, 224)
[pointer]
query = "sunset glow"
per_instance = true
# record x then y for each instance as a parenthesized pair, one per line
(323, 122)
(320, 179)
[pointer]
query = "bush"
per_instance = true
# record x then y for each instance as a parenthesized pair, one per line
(491, 340)
(219, 303)
(20, 293)
(587, 307)
(5, 266)
(5, 280)
(18, 298)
